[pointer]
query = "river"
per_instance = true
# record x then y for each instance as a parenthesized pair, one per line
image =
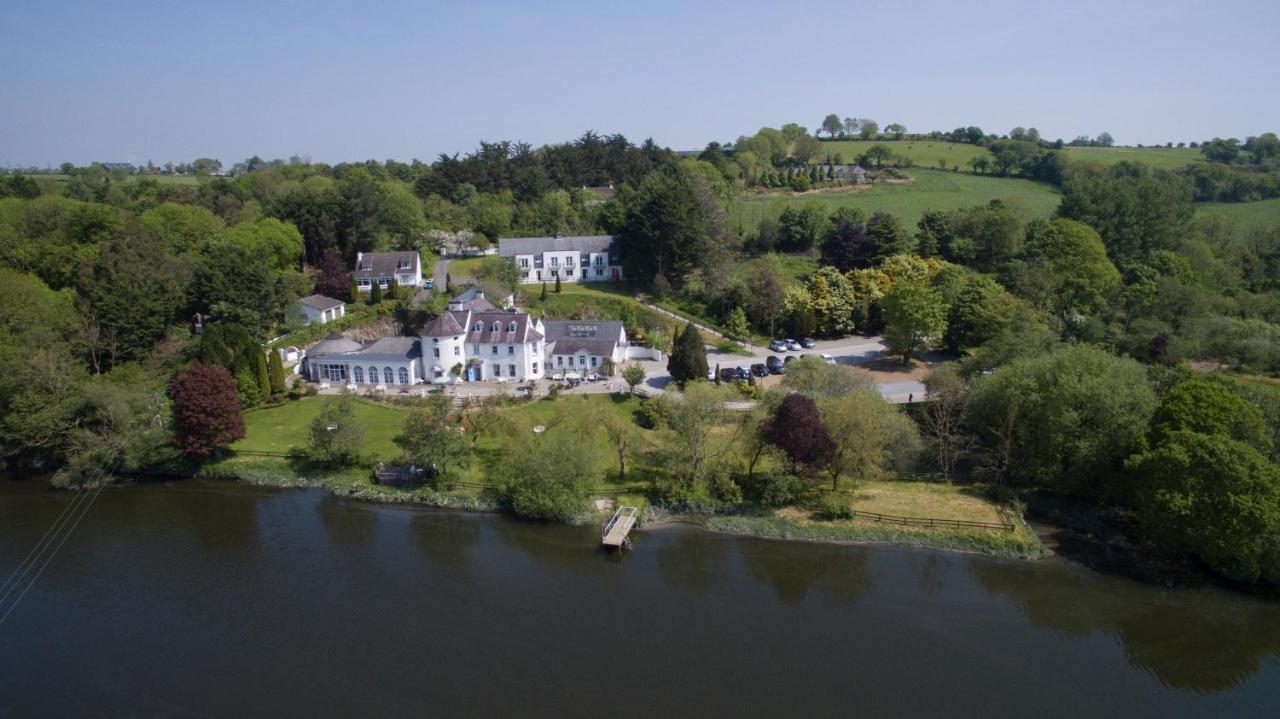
(220, 599)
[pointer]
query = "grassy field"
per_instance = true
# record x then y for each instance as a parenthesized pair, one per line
(1246, 214)
(1163, 158)
(464, 267)
(924, 153)
(162, 179)
(279, 429)
(923, 499)
(930, 190)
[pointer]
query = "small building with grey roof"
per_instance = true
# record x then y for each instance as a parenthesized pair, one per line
(318, 308)
(589, 258)
(583, 345)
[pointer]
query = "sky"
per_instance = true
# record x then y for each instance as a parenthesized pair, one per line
(351, 81)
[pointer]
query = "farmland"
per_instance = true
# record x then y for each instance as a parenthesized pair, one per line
(1161, 158)
(924, 153)
(929, 190)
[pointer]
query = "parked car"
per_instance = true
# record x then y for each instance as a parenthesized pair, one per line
(828, 358)
(793, 345)
(728, 375)
(711, 375)
(429, 283)
(759, 370)
(808, 343)
(778, 346)
(775, 365)
(742, 373)
(787, 359)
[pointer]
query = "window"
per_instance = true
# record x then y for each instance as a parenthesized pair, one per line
(555, 261)
(384, 282)
(511, 326)
(358, 373)
(366, 264)
(524, 275)
(584, 272)
(335, 372)
(497, 370)
(478, 326)
(405, 264)
(599, 260)
(511, 349)
(388, 377)
(511, 370)
(457, 350)
(495, 326)
(524, 262)
(373, 375)
(582, 361)
(535, 368)
(404, 376)
(594, 360)
(435, 351)
(495, 349)
(559, 361)
(555, 273)
(599, 273)
(362, 282)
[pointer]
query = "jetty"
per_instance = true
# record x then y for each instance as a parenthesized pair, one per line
(617, 531)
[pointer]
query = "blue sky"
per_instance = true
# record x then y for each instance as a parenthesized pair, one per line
(342, 81)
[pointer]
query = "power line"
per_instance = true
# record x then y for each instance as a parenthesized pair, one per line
(22, 568)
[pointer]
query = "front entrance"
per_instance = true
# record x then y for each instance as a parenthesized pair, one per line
(473, 373)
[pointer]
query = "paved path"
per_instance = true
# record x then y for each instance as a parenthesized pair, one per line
(437, 274)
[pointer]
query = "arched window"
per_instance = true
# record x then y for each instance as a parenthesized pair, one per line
(358, 373)
(388, 377)
(404, 376)
(373, 375)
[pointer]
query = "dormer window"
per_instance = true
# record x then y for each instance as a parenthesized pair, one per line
(479, 326)
(495, 327)
(511, 327)
(366, 264)
(406, 264)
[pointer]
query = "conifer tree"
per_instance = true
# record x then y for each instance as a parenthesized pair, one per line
(276, 370)
(375, 294)
(263, 376)
(688, 359)
(543, 296)
(557, 284)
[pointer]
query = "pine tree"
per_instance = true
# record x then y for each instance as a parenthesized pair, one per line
(276, 369)
(375, 294)
(813, 174)
(448, 283)
(831, 171)
(717, 380)
(263, 376)
(557, 284)
(543, 296)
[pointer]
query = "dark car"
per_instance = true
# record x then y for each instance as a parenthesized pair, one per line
(808, 343)
(742, 373)
(788, 359)
(776, 365)
(759, 370)
(727, 374)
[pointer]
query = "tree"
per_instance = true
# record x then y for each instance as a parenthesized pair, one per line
(1135, 214)
(336, 434)
(766, 299)
(633, 375)
(1105, 140)
(942, 419)
(262, 375)
(818, 380)
(690, 452)
(886, 236)
(1064, 269)
(621, 432)
(847, 247)
(832, 126)
(896, 129)
(276, 372)
(431, 438)
(206, 410)
(481, 415)
(735, 328)
(979, 310)
(1209, 407)
(867, 434)
(1213, 497)
(870, 129)
(1064, 420)
(548, 476)
(915, 318)
(796, 428)
(235, 284)
(129, 296)
(543, 295)
(557, 284)
(448, 283)
(688, 360)
(333, 279)
(375, 293)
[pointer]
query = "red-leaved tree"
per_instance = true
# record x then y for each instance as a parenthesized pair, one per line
(333, 279)
(206, 409)
(797, 429)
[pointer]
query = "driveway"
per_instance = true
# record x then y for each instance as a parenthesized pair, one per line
(437, 274)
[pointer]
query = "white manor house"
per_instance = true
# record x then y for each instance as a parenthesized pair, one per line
(483, 343)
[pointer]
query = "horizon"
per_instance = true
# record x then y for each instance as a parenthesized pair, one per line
(166, 84)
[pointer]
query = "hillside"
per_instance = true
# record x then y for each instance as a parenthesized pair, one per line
(924, 153)
(1163, 158)
(929, 190)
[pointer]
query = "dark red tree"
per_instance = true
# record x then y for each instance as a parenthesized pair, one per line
(206, 409)
(333, 279)
(797, 429)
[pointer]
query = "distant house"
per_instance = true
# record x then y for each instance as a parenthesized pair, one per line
(318, 308)
(583, 345)
(482, 298)
(118, 167)
(571, 259)
(384, 268)
(851, 173)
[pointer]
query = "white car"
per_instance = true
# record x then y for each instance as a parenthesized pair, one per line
(793, 345)
(828, 358)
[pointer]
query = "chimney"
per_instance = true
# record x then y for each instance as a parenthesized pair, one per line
(479, 292)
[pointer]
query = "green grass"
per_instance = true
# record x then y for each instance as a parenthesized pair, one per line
(929, 190)
(278, 429)
(1162, 158)
(924, 153)
(1247, 215)
(162, 179)
(1001, 544)
(464, 267)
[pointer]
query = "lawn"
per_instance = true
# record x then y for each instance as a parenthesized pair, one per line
(1247, 215)
(929, 190)
(924, 499)
(278, 429)
(924, 153)
(464, 267)
(1163, 158)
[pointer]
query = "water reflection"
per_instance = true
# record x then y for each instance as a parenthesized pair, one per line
(348, 523)
(692, 560)
(839, 574)
(446, 539)
(1203, 640)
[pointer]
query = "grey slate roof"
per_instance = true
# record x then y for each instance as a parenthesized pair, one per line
(595, 337)
(320, 302)
(384, 264)
(390, 349)
(447, 324)
(522, 333)
(512, 246)
(470, 299)
(334, 344)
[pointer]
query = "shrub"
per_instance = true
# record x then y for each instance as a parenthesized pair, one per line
(655, 412)
(772, 489)
(833, 505)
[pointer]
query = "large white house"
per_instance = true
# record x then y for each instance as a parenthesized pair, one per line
(383, 268)
(483, 343)
(571, 259)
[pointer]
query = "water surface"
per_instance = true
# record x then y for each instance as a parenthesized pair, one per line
(218, 599)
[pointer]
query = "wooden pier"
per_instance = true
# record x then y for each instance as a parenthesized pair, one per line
(617, 530)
